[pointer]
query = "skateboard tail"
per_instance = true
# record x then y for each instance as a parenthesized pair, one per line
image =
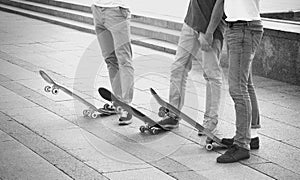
(153, 92)
(46, 77)
(57, 87)
(106, 94)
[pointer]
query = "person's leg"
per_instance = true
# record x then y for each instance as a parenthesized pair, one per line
(118, 24)
(117, 41)
(107, 47)
(188, 46)
(213, 76)
(187, 49)
(255, 123)
(243, 42)
(239, 65)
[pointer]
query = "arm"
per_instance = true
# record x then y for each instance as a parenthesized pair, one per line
(215, 19)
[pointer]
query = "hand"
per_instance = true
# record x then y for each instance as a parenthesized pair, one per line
(206, 41)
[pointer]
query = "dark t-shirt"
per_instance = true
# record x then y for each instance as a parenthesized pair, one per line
(198, 17)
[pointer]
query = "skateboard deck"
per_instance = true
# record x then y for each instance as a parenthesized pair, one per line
(150, 125)
(91, 112)
(210, 136)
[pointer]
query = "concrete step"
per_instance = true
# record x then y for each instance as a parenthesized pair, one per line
(67, 5)
(154, 44)
(155, 32)
(49, 18)
(149, 19)
(155, 21)
(79, 17)
(70, 14)
(138, 40)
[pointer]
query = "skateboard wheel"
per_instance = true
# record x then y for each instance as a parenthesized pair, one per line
(209, 147)
(162, 108)
(86, 112)
(154, 131)
(54, 91)
(119, 109)
(142, 129)
(106, 106)
(47, 89)
(94, 115)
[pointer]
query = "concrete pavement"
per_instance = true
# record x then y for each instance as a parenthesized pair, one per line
(43, 136)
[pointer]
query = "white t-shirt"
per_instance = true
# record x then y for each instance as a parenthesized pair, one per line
(244, 10)
(111, 3)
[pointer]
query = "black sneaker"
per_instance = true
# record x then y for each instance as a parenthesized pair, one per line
(254, 143)
(123, 121)
(234, 154)
(169, 122)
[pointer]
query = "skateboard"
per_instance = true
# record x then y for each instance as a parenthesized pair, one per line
(150, 125)
(166, 107)
(91, 112)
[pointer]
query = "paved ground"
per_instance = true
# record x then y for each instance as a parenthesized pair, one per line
(43, 136)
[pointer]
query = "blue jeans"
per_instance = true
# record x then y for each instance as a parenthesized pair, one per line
(243, 40)
(189, 49)
(113, 34)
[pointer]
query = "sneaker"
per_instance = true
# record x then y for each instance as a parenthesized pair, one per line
(234, 154)
(169, 122)
(210, 125)
(125, 118)
(254, 143)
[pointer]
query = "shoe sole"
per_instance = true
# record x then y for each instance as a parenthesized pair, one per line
(215, 131)
(233, 161)
(169, 126)
(124, 123)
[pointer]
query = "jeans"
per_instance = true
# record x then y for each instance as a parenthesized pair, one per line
(243, 40)
(113, 34)
(189, 49)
